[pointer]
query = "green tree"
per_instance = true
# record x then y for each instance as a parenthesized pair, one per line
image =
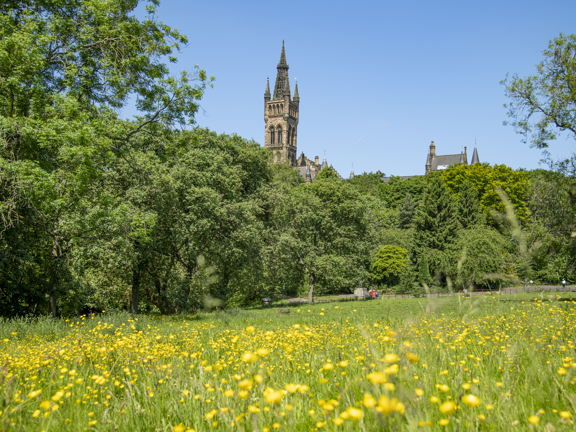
(66, 68)
(478, 257)
(324, 231)
(487, 180)
(543, 106)
(406, 212)
(424, 271)
(393, 192)
(389, 264)
(327, 173)
(436, 223)
(470, 211)
(368, 183)
(550, 235)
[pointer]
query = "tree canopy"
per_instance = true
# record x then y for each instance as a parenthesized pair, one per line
(542, 106)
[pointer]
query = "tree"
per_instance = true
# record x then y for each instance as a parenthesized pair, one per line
(393, 192)
(424, 271)
(406, 212)
(368, 183)
(389, 264)
(470, 211)
(327, 173)
(543, 106)
(550, 235)
(487, 180)
(62, 84)
(478, 257)
(436, 223)
(322, 230)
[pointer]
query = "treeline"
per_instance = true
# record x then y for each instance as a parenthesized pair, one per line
(99, 212)
(474, 226)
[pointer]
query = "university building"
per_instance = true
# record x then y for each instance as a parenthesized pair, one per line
(281, 116)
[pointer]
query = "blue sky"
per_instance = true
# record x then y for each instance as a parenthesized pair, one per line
(378, 80)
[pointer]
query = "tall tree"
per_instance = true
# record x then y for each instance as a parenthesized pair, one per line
(470, 211)
(389, 264)
(487, 180)
(324, 231)
(436, 223)
(61, 86)
(406, 212)
(543, 106)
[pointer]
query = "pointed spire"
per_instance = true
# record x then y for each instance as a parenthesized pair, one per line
(324, 163)
(475, 158)
(267, 92)
(461, 156)
(282, 87)
(296, 95)
(308, 174)
(352, 172)
(282, 61)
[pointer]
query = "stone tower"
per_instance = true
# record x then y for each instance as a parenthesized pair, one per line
(281, 116)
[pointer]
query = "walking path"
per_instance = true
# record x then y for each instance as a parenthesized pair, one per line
(530, 288)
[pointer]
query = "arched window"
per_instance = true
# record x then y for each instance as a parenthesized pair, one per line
(272, 133)
(269, 109)
(279, 135)
(289, 133)
(292, 137)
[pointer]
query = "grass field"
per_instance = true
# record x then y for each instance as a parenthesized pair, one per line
(490, 363)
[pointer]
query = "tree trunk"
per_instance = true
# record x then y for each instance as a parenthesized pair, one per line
(135, 290)
(311, 291)
(54, 282)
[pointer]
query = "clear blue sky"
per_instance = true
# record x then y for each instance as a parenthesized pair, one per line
(378, 80)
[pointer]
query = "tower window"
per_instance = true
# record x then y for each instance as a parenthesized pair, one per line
(272, 133)
(292, 142)
(289, 133)
(279, 135)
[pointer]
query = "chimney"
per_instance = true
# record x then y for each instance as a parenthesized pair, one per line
(316, 159)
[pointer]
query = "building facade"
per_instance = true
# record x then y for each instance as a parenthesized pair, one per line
(281, 116)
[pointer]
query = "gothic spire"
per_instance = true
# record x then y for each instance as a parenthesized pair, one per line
(282, 88)
(282, 61)
(296, 95)
(267, 92)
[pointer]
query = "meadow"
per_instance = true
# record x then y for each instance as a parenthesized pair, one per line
(486, 363)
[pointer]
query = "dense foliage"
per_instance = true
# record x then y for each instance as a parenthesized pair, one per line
(101, 212)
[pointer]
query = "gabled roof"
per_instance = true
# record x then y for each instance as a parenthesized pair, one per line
(302, 171)
(443, 161)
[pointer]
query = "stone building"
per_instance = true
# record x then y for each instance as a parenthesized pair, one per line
(281, 115)
(436, 162)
